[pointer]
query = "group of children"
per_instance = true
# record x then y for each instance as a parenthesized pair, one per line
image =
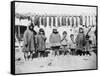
(35, 43)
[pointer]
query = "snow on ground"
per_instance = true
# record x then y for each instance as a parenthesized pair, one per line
(58, 63)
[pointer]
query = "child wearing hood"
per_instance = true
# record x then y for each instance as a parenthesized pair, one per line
(29, 42)
(55, 39)
(41, 42)
(64, 43)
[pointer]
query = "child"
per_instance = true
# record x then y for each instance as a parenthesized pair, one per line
(72, 45)
(87, 46)
(55, 39)
(29, 42)
(41, 42)
(80, 41)
(64, 43)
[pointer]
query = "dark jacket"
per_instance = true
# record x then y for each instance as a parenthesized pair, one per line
(80, 40)
(41, 42)
(29, 41)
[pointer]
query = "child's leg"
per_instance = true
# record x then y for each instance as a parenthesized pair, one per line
(58, 52)
(31, 53)
(73, 51)
(25, 55)
(66, 50)
(53, 51)
(39, 53)
(43, 54)
(63, 50)
(28, 54)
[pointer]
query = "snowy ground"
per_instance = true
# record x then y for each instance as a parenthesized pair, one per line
(58, 63)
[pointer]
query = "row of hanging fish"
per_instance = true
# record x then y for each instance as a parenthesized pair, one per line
(58, 21)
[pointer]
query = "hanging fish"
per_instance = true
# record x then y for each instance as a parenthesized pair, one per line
(49, 21)
(89, 21)
(64, 21)
(46, 21)
(86, 21)
(72, 21)
(41, 20)
(36, 20)
(68, 21)
(54, 21)
(76, 21)
(58, 22)
(81, 20)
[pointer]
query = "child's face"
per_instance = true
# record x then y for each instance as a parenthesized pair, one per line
(41, 33)
(80, 30)
(72, 37)
(65, 34)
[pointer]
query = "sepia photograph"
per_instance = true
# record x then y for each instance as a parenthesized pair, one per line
(50, 37)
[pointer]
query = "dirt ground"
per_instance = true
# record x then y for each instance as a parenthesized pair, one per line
(57, 63)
